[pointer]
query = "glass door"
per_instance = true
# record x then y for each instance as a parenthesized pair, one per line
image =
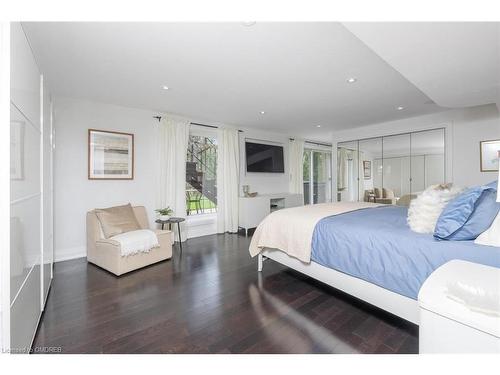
(201, 174)
(322, 177)
(317, 176)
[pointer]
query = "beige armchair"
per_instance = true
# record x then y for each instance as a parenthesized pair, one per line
(106, 253)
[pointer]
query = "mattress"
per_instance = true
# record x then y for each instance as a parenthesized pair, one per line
(377, 245)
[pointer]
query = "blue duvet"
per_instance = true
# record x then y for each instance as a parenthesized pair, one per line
(377, 245)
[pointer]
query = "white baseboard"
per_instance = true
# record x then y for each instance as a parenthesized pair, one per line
(61, 255)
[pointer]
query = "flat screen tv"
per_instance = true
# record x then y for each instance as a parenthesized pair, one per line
(264, 158)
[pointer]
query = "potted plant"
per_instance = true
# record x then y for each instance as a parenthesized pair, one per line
(164, 213)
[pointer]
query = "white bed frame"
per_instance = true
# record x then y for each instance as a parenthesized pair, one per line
(392, 302)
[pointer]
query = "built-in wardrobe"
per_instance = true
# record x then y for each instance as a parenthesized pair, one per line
(391, 167)
(31, 192)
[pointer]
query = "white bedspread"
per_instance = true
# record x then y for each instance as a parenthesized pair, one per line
(291, 229)
(136, 241)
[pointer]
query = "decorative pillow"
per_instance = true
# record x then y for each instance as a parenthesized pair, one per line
(387, 193)
(425, 209)
(491, 236)
(377, 193)
(116, 220)
(469, 214)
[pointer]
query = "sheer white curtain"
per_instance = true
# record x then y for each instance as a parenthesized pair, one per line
(296, 166)
(172, 148)
(228, 180)
(342, 166)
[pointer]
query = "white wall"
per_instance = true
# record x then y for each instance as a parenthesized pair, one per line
(74, 194)
(465, 128)
(469, 128)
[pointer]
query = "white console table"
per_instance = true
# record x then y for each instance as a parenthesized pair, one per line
(253, 210)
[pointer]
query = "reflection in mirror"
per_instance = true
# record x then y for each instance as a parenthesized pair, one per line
(427, 162)
(396, 168)
(390, 169)
(347, 171)
(17, 150)
(370, 166)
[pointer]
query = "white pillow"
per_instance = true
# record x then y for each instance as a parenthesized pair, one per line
(491, 236)
(425, 209)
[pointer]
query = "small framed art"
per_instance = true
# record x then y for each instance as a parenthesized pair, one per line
(367, 169)
(488, 153)
(111, 155)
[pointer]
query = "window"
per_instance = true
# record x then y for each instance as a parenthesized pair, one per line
(317, 176)
(201, 175)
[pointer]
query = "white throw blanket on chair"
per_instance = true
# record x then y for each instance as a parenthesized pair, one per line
(136, 241)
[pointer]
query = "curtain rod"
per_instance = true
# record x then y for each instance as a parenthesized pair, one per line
(197, 123)
(315, 143)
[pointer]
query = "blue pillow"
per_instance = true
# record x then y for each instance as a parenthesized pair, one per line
(469, 214)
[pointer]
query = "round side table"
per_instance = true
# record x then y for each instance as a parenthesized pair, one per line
(173, 220)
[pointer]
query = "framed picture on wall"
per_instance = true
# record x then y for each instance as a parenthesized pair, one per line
(111, 155)
(488, 152)
(367, 169)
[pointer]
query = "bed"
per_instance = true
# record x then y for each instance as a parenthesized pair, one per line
(364, 249)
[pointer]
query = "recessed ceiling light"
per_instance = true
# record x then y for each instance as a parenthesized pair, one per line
(165, 87)
(351, 80)
(400, 108)
(318, 126)
(249, 23)
(262, 112)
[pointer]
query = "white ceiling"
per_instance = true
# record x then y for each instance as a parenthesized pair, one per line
(228, 73)
(457, 64)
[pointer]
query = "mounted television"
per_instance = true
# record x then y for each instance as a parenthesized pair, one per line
(264, 158)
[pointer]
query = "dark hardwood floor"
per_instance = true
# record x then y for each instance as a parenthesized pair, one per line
(212, 300)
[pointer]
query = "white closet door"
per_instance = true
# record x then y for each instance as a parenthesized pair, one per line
(47, 196)
(26, 193)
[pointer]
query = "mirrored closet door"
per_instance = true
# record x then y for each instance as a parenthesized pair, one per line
(370, 169)
(428, 159)
(396, 168)
(390, 169)
(347, 171)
